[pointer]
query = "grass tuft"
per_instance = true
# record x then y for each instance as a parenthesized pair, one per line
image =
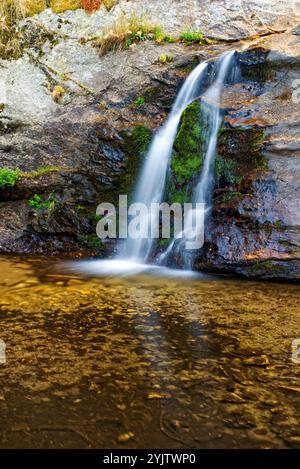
(191, 37)
(125, 33)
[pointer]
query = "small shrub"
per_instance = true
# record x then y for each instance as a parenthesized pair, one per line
(140, 101)
(8, 177)
(38, 203)
(58, 94)
(124, 33)
(164, 58)
(190, 37)
(160, 36)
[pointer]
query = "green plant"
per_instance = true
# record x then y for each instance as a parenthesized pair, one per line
(140, 101)
(8, 177)
(37, 203)
(160, 36)
(191, 37)
(164, 58)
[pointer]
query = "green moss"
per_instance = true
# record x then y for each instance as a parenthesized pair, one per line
(226, 172)
(90, 241)
(136, 144)
(40, 171)
(187, 156)
(93, 241)
(138, 141)
(8, 177)
(227, 197)
(266, 267)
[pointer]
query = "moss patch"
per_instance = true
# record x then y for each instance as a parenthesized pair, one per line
(239, 155)
(136, 144)
(266, 268)
(40, 171)
(187, 156)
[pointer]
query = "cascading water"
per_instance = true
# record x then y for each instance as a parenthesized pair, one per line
(152, 180)
(135, 253)
(211, 114)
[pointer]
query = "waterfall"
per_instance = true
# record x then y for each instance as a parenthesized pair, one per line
(211, 114)
(135, 253)
(152, 180)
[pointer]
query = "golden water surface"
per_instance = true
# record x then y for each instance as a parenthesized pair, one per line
(146, 362)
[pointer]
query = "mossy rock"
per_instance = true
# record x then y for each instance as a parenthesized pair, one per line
(136, 144)
(240, 154)
(187, 158)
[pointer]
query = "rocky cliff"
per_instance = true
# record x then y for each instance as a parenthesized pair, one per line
(75, 126)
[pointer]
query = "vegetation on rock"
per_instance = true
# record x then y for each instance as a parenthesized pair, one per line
(40, 171)
(8, 177)
(124, 33)
(136, 145)
(160, 37)
(37, 203)
(164, 58)
(187, 156)
(191, 37)
(139, 101)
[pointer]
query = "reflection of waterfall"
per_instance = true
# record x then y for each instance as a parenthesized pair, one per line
(151, 184)
(212, 117)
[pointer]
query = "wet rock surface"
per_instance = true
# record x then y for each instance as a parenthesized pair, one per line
(80, 147)
(172, 363)
(255, 229)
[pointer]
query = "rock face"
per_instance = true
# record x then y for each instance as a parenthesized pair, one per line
(73, 125)
(220, 19)
(255, 227)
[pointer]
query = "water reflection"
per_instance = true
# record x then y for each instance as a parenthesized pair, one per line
(175, 363)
